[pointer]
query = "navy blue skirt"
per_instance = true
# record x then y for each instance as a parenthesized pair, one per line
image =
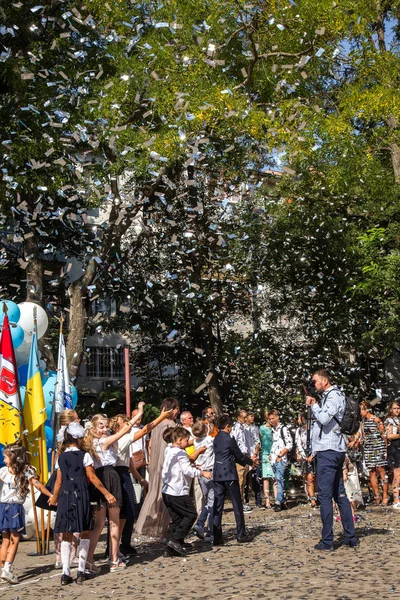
(12, 518)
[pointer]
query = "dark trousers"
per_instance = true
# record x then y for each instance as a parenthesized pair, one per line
(129, 508)
(331, 487)
(183, 516)
(220, 490)
(253, 480)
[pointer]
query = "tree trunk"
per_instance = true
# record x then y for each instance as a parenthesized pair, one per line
(79, 305)
(395, 154)
(34, 289)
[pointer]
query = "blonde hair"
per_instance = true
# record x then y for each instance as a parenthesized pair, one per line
(66, 417)
(114, 421)
(91, 426)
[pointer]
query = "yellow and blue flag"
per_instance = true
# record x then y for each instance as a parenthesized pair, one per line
(34, 413)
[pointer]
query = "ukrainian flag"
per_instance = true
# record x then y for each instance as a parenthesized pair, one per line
(35, 414)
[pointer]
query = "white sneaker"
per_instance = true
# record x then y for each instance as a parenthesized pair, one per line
(8, 576)
(396, 506)
(58, 565)
(247, 509)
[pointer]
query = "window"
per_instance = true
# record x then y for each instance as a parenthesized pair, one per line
(105, 363)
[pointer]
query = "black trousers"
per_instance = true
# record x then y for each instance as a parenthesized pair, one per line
(183, 516)
(220, 490)
(129, 507)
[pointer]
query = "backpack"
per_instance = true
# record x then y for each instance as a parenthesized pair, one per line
(291, 454)
(351, 421)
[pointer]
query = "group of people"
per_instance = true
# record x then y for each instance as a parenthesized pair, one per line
(187, 471)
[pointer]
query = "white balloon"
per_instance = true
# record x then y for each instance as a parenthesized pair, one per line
(30, 519)
(22, 353)
(26, 319)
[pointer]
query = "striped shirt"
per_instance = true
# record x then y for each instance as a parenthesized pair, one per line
(332, 405)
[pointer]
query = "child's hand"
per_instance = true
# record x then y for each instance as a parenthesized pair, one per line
(52, 501)
(110, 498)
(202, 449)
(206, 474)
(141, 406)
(165, 414)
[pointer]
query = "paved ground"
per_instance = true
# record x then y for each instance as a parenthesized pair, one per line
(280, 563)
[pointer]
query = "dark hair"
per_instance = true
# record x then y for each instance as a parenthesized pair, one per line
(274, 411)
(239, 411)
(223, 420)
(19, 463)
(199, 429)
(323, 373)
(172, 434)
(205, 411)
(170, 403)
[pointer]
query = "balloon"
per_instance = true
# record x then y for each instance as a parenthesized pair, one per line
(1, 455)
(23, 374)
(13, 311)
(30, 520)
(49, 437)
(49, 386)
(22, 353)
(17, 334)
(26, 319)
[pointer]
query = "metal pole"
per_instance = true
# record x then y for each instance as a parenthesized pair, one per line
(127, 382)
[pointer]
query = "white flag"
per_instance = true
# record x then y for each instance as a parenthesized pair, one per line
(62, 393)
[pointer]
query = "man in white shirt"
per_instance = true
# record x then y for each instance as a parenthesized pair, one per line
(239, 434)
(282, 442)
(187, 420)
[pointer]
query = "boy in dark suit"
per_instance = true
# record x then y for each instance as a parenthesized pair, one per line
(227, 454)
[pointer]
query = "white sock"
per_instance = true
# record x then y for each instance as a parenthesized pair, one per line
(66, 557)
(8, 565)
(82, 553)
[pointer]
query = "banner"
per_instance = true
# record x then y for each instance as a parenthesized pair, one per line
(10, 408)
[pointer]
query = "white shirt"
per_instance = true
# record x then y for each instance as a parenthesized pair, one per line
(278, 444)
(177, 472)
(8, 491)
(238, 432)
(205, 460)
(252, 437)
(140, 444)
(123, 448)
(107, 457)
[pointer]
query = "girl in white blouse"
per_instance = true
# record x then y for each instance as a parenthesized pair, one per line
(105, 458)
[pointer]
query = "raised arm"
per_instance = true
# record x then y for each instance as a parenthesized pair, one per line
(111, 439)
(165, 414)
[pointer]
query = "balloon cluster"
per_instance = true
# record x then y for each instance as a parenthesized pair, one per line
(21, 325)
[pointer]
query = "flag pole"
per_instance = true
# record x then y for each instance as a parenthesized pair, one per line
(40, 443)
(127, 382)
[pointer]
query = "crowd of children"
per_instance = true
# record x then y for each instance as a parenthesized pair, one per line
(93, 481)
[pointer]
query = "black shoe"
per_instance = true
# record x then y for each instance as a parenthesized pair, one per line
(354, 544)
(277, 507)
(218, 542)
(176, 546)
(187, 545)
(321, 546)
(80, 577)
(169, 553)
(284, 506)
(128, 550)
(66, 579)
(245, 539)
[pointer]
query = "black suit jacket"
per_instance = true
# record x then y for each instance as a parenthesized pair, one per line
(227, 454)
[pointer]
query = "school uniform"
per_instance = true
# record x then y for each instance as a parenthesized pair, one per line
(177, 474)
(227, 454)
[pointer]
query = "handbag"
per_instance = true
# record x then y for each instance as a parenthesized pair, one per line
(138, 459)
(42, 499)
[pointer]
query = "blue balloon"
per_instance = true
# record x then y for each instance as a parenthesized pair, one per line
(1, 455)
(74, 396)
(49, 437)
(13, 311)
(17, 334)
(23, 374)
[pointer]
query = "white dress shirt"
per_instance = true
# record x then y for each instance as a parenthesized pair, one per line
(205, 460)
(252, 437)
(238, 432)
(177, 472)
